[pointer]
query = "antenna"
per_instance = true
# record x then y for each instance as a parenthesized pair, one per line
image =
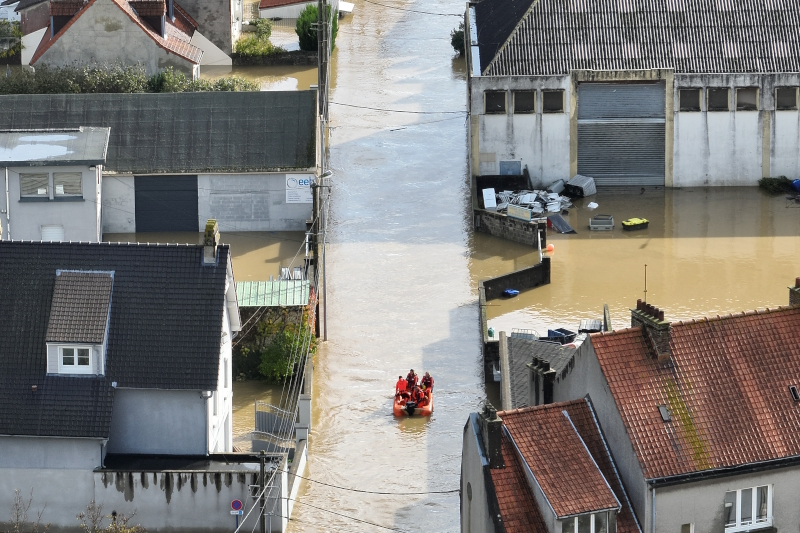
(645, 283)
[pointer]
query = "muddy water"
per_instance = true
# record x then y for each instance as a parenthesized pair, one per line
(245, 394)
(708, 251)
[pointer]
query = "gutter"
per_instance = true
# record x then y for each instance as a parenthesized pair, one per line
(714, 473)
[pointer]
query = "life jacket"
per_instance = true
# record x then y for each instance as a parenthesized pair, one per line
(411, 380)
(428, 382)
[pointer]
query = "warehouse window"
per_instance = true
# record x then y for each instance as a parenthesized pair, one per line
(67, 184)
(34, 186)
(718, 100)
(786, 98)
(552, 101)
(524, 102)
(495, 102)
(690, 100)
(747, 99)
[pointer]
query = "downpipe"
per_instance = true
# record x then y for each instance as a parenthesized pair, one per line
(8, 214)
(653, 520)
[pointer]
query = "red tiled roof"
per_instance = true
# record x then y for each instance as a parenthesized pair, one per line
(177, 41)
(518, 509)
(266, 4)
(555, 453)
(726, 387)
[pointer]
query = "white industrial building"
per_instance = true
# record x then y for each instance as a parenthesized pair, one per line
(634, 92)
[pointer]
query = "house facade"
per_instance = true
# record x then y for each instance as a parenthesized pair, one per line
(246, 160)
(8, 10)
(629, 97)
(116, 353)
(53, 184)
(699, 417)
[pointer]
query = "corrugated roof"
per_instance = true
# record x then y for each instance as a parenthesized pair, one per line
(79, 309)
(700, 36)
(726, 387)
(83, 146)
(280, 293)
(182, 133)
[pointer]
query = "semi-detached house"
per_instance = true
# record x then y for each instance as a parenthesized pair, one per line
(668, 93)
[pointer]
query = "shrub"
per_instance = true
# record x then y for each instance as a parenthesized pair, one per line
(258, 45)
(776, 186)
(307, 31)
(457, 39)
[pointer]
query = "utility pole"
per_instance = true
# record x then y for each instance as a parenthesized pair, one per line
(261, 484)
(323, 74)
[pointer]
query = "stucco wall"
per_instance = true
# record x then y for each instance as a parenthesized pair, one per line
(249, 202)
(475, 517)
(217, 20)
(79, 218)
(47, 452)
(35, 18)
(119, 204)
(106, 34)
(702, 503)
(785, 144)
(220, 425)
(540, 140)
(158, 421)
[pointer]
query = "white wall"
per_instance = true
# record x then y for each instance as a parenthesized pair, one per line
(78, 217)
(153, 421)
(786, 144)
(212, 55)
(540, 140)
(30, 43)
(285, 12)
(475, 514)
(249, 202)
(119, 204)
(220, 426)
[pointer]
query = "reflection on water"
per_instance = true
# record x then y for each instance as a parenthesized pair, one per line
(256, 255)
(245, 394)
(708, 252)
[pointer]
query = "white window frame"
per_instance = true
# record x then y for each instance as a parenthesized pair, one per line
(755, 523)
(574, 520)
(51, 187)
(75, 368)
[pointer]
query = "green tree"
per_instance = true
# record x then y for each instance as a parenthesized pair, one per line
(306, 27)
(457, 39)
(12, 31)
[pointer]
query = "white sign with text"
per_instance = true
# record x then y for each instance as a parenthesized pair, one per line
(298, 188)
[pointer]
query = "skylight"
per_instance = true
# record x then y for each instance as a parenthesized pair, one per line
(665, 416)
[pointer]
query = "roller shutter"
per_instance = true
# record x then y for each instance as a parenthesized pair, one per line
(166, 203)
(621, 133)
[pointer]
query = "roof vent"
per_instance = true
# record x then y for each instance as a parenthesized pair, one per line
(795, 394)
(665, 416)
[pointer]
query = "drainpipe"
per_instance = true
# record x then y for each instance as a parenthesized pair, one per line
(653, 526)
(8, 215)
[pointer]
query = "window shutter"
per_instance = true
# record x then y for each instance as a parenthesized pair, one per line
(67, 183)
(34, 185)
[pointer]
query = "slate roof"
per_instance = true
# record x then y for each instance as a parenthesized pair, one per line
(79, 308)
(80, 146)
(176, 41)
(174, 133)
(559, 460)
(726, 387)
(520, 354)
(164, 332)
(689, 36)
(566, 452)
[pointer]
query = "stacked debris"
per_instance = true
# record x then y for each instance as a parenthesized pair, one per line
(537, 201)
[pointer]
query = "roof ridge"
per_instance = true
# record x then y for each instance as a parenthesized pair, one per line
(543, 407)
(40, 50)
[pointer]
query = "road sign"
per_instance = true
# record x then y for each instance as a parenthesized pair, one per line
(236, 505)
(238, 513)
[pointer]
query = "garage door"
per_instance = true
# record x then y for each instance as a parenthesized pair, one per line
(166, 203)
(621, 133)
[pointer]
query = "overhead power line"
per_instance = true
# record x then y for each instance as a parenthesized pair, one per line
(415, 10)
(393, 493)
(399, 110)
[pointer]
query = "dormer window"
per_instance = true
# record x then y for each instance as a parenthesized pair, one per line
(77, 332)
(75, 360)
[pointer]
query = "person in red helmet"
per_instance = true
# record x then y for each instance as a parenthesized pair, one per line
(427, 380)
(411, 380)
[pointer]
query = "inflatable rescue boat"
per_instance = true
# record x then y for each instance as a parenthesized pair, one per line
(405, 407)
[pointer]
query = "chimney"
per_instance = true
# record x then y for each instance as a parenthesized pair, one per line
(492, 431)
(210, 242)
(657, 331)
(794, 293)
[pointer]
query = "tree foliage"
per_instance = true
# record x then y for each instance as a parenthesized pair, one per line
(91, 521)
(306, 28)
(112, 79)
(10, 31)
(457, 39)
(258, 45)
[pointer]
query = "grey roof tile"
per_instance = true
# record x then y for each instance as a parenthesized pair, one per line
(79, 309)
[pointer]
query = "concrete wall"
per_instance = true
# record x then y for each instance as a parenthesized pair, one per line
(513, 229)
(586, 378)
(702, 503)
(217, 19)
(50, 452)
(523, 279)
(78, 217)
(539, 140)
(212, 55)
(475, 514)
(119, 204)
(249, 202)
(106, 34)
(35, 18)
(151, 421)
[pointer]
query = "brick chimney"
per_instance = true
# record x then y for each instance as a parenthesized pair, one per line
(210, 242)
(794, 293)
(492, 432)
(657, 331)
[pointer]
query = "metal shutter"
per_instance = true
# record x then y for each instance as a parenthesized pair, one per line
(621, 133)
(52, 233)
(166, 203)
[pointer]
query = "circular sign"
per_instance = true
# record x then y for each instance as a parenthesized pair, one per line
(291, 183)
(236, 505)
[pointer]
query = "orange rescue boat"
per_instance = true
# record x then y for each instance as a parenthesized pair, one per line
(405, 407)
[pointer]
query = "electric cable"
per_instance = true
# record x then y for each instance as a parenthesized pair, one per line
(416, 10)
(400, 110)
(350, 517)
(377, 492)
